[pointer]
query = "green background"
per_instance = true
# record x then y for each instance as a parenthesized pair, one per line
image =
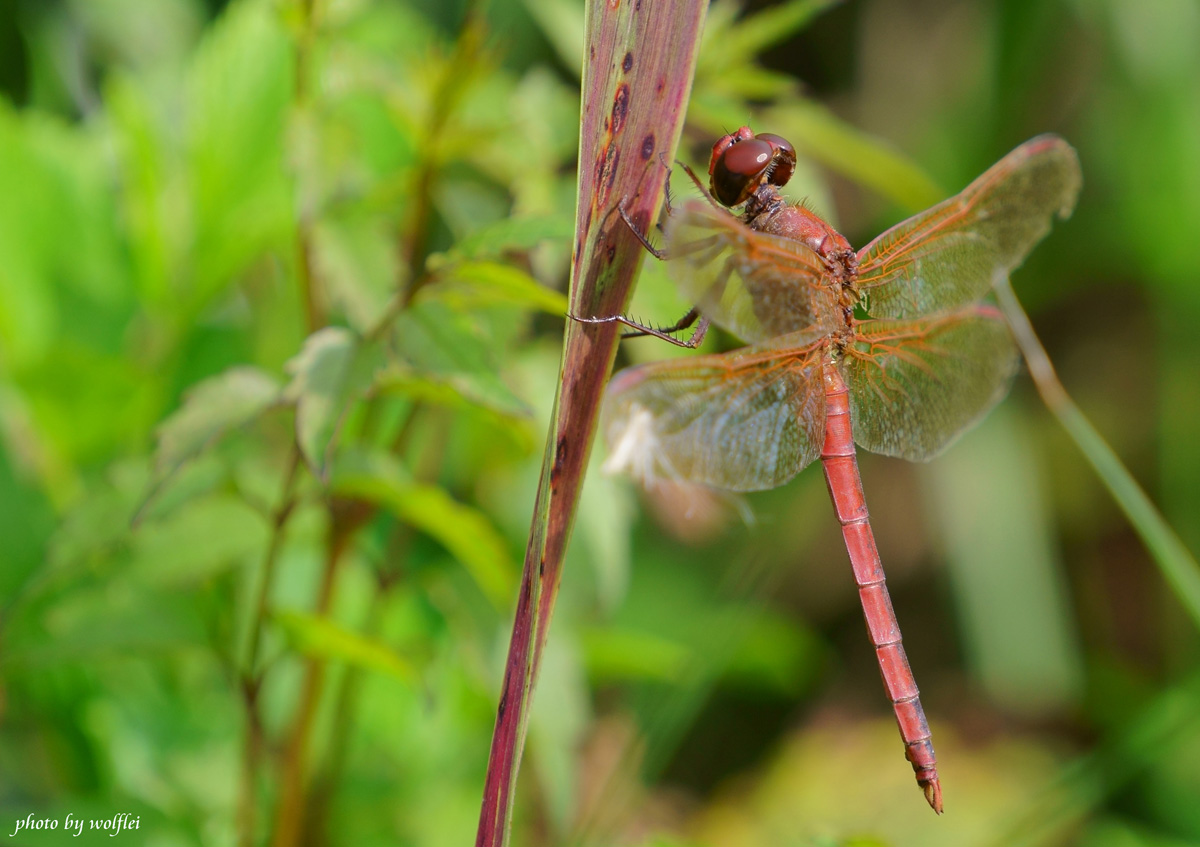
(187, 189)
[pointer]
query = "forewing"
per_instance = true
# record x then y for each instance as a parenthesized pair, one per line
(742, 421)
(916, 385)
(946, 256)
(757, 286)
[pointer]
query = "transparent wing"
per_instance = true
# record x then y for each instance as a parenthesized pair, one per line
(945, 257)
(755, 285)
(916, 385)
(742, 421)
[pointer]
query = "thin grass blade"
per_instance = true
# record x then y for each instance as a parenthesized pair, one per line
(1174, 560)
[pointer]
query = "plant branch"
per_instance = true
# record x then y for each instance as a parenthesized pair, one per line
(346, 517)
(251, 676)
(636, 82)
(314, 311)
(1178, 566)
(461, 64)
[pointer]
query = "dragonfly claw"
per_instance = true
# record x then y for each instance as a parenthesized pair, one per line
(933, 795)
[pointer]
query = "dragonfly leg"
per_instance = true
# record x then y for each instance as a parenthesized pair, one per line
(667, 204)
(661, 255)
(693, 341)
(712, 201)
(640, 330)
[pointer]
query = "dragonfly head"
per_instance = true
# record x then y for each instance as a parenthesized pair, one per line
(742, 162)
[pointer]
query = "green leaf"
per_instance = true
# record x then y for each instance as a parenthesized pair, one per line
(464, 531)
(1006, 572)
(57, 233)
(459, 393)
(562, 26)
(115, 620)
(743, 41)
(775, 654)
(195, 542)
(333, 370)
(357, 262)
(520, 233)
(239, 96)
(98, 522)
(210, 409)
(750, 82)
(471, 285)
(446, 346)
(323, 638)
(819, 133)
(615, 654)
(154, 234)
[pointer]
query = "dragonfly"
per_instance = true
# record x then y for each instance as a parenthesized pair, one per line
(895, 348)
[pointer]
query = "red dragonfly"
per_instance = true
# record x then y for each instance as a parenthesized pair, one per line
(892, 347)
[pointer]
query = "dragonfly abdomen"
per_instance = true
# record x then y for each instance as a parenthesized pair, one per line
(840, 462)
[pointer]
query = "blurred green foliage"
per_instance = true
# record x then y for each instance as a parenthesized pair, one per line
(281, 284)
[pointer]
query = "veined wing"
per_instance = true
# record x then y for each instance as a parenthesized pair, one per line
(916, 385)
(946, 256)
(743, 421)
(755, 285)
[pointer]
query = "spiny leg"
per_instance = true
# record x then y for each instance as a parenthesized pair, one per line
(640, 330)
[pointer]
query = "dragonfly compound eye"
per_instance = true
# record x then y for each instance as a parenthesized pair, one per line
(740, 170)
(784, 157)
(722, 144)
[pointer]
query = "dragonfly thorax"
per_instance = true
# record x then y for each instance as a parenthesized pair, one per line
(798, 223)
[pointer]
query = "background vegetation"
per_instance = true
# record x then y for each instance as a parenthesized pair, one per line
(282, 280)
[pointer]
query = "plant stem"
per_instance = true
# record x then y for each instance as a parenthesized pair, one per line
(345, 707)
(314, 311)
(251, 677)
(461, 64)
(346, 518)
(615, 165)
(292, 795)
(1177, 565)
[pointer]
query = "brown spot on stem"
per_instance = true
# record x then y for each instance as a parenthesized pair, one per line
(606, 174)
(598, 170)
(620, 107)
(648, 146)
(627, 65)
(560, 458)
